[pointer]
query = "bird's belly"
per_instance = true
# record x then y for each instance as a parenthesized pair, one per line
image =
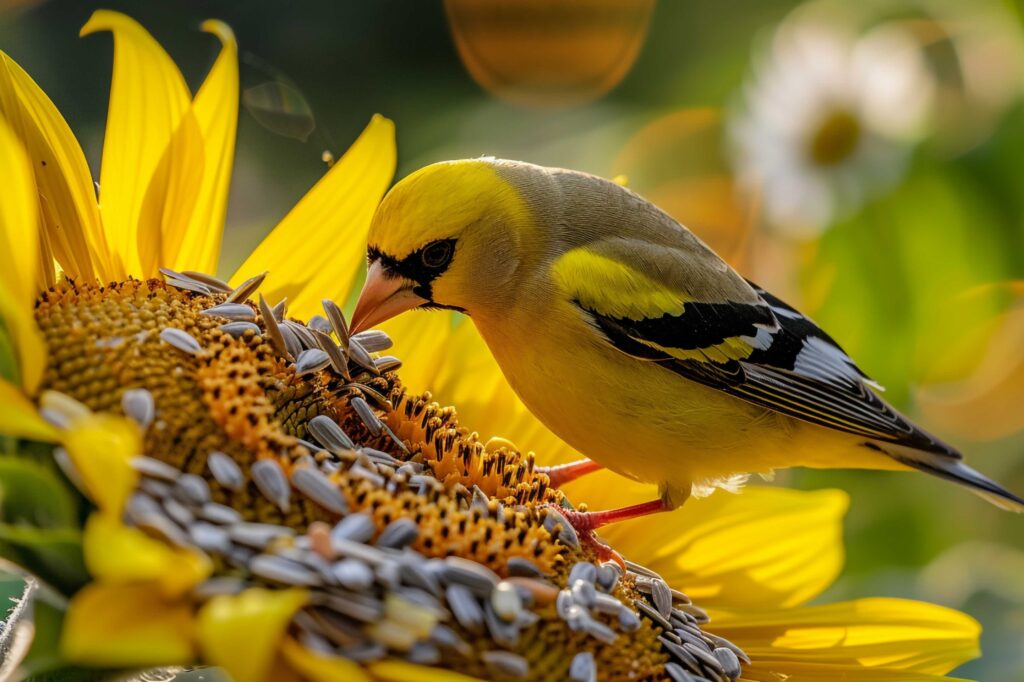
(638, 418)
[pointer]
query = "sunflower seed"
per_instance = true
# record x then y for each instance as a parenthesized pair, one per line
(699, 614)
(151, 486)
(138, 405)
(141, 505)
(387, 363)
(329, 434)
(212, 282)
(506, 602)
(319, 323)
(317, 487)
(310, 360)
(163, 527)
(599, 631)
(270, 480)
(373, 340)
(446, 638)
(396, 440)
(504, 663)
(356, 605)
(707, 659)
(576, 616)
(354, 527)
(273, 330)
(219, 513)
(352, 574)
(304, 335)
(181, 340)
(178, 512)
(188, 285)
(730, 662)
(676, 672)
(641, 570)
(280, 310)
(280, 570)
(505, 634)
(566, 533)
(173, 274)
(237, 329)
(412, 572)
(608, 575)
(398, 534)
(364, 652)
(210, 538)
(628, 620)
(366, 413)
(563, 602)
(519, 566)
(583, 668)
(584, 593)
(192, 490)
(154, 468)
(688, 636)
(583, 570)
(339, 363)
(661, 595)
(246, 288)
(652, 613)
(291, 341)
(465, 608)
(225, 470)
(60, 409)
(337, 322)
(607, 604)
(381, 457)
(424, 653)
(680, 653)
(237, 312)
(477, 577)
(213, 587)
(357, 550)
(723, 642)
(359, 356)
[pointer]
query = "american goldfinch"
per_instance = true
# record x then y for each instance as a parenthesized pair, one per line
(629, 338)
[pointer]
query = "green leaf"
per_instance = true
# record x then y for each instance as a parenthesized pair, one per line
(31, 492)
(53, 554)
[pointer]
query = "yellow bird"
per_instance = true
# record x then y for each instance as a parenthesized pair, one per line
(629, 338)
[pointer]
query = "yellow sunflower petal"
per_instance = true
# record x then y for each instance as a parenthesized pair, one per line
(317, 250)
(19, 261)
(317, 667)
(765, 547)
(126, 625)
(241, 633)
(68, 215)
(216, 113)
(896, 634)
(19, 417)
(148, 97)
(814, 672)
(100, 446)
(116, 553)
(401, 671)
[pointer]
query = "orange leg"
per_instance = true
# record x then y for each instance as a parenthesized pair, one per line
(564, 473)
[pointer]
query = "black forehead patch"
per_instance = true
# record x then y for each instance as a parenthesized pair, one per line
(411, 267)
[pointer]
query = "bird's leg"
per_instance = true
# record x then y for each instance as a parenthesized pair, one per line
(561, 474)
(585, 523)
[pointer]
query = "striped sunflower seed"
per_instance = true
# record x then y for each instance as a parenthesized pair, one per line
(302, 333)
(210, 538)
(270, 480)
(583, 668)
(373, 340)
(258, 535)
(139, 406)
(319, 323)
(465, 608)
(277, 569)
(507, 664)
(339, 363)
(337, 322)
(366, 414)
(661, 595)
(225, 470)
(154, 468)
(519, 566)
(187, 284)
(730, 662)
(236, 312)
(273, 330)
(317, 487)
(355, 528)
(477, 577)
(583, 570)
(192, 490)
(329, 434)
(387, 363)
(237, 329)
(291, 341)
(398, 534)
(180, 339)
(220, 514)
(214, 284)
(359, 356)
(280, 309)
(246, 288)
(310, 360)
(352, 574)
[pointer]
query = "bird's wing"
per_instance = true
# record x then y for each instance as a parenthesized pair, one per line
(750, 345)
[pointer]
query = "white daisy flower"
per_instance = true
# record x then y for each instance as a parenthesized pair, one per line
(828, 118)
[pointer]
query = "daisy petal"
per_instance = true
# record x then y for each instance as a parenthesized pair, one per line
(148, 98)
(316, 251)
(891, 634)
(126, 625)
(241, 633)
(765, 547)
(20, 418)
(19, 263)
(216, 113)
(68, 215)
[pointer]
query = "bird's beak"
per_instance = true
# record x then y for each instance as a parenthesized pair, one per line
(382, 298)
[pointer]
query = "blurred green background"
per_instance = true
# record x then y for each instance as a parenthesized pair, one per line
(899, 123)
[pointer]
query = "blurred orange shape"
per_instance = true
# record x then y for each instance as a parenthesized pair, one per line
(676, 162)
(986, 405)
(540, 53)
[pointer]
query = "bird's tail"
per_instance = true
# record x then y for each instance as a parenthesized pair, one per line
(954, 469)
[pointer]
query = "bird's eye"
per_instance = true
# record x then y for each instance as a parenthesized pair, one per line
(437, 254)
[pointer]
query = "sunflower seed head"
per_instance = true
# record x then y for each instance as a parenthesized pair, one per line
(181, 340)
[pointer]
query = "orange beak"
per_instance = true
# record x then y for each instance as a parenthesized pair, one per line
(383, 297)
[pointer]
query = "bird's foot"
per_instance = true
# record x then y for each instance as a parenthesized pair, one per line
(561, 474)
(583, 527)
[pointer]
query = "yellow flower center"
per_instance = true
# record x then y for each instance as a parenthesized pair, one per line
(835, 139)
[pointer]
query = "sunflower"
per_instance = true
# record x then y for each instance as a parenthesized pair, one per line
(298, 512)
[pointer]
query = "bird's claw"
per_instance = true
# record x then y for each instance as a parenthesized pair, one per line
(582, 524)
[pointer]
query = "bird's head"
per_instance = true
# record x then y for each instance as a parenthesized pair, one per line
(447, 236)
